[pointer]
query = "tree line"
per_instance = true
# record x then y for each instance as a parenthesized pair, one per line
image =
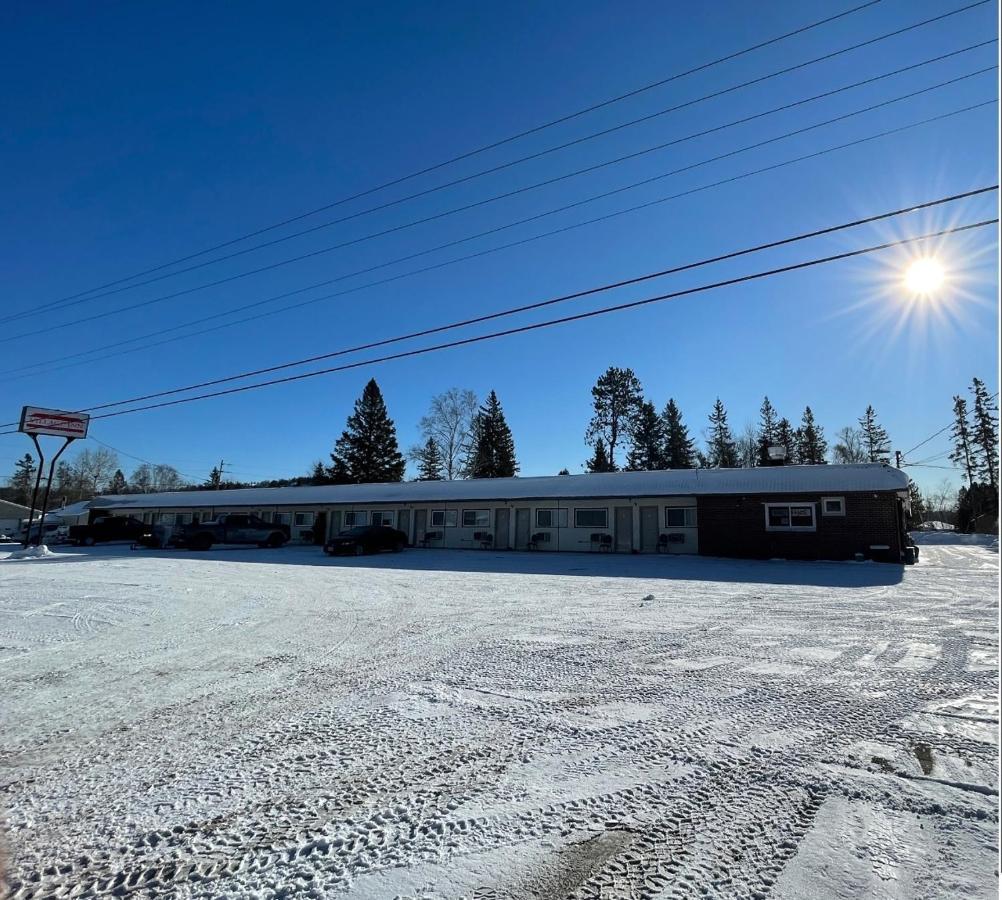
(89, 473)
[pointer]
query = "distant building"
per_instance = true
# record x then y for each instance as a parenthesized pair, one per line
(12, 515)
(795, 512)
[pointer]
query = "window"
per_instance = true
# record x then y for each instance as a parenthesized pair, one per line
(591, 518)
(166, 518)
(476, 518)
(148, 518)
(789, 517)
(680, 517)
(182, 519)
(833, 506)
(382, 518)
(444, 518)
(551, 518)
(283, 518)
(303, 520)
(356, 517)
(266, 517)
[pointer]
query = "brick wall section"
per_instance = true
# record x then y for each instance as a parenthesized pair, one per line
(734, 525)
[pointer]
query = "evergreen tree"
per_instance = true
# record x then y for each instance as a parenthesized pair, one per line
(875, 440)
(812, 448)
(493, 452)
(319, 474)
(564, 472)
(22, 482)
(985, 433)
(722, 452)
(647, 453)
(680, 452)
(977, 509)
(616, 396)
(916, 503)
(766, 431)
(786, 438)
(600, 461)
(367, 451)
(429, 460)
(215, 478)
(118, 483)
(962, 453)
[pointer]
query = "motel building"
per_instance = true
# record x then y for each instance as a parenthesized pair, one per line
(794, 512)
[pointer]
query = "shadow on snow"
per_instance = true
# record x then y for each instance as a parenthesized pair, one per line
(585, 565)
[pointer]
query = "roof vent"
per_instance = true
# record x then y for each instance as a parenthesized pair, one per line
(777, 455)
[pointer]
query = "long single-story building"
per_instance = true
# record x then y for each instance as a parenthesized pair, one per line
(805, 512)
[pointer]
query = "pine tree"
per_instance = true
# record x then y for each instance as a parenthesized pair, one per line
(786, 437)
(22, 482)
(616, 398)
(647, 453)
(680, 452)
(766, 431)
(493, 452)
(985, 433)
(875, 440)
(429, 460)
(564, 471)
(215, 478)
(118, 483)
(916, 503)
(319, 474)
(722, 452)
(367, 451)
(962, 453)
(600, 461)
(812, 448)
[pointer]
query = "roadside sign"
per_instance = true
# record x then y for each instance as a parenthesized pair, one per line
(35, 420)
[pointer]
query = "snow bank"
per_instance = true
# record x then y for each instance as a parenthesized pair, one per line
(955, 537)
(39, 552)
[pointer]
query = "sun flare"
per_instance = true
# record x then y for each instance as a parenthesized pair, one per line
(924, 276)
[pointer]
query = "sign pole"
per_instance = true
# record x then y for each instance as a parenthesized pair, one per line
(34, 493)
(48, 487)
(36, 420)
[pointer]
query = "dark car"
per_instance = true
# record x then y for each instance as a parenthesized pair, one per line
(366, 539)
(108, 528)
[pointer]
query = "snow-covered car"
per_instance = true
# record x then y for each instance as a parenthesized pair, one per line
(366, 539)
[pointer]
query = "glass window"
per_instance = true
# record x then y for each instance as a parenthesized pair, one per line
(591, 518)
(789, 517)
(283, 518)
(476, 518)
(266, 516)
(166, 518)
(182, 519)
(148, 518)
(444, 518)
(382, 518)
(354, 518)
(680, 517)
(551, 518)
(833, 506)
(303, 519)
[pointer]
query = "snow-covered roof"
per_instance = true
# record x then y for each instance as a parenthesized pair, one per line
(667, 483)
(10, 510)
(79, 508)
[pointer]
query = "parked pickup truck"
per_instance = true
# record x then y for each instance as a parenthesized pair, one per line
(232, 528)
(108, 528)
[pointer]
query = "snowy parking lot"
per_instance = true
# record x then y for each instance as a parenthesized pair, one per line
(436, 724)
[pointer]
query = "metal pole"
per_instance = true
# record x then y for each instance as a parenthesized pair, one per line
(34, 493)
(48, 487)
(897, 458)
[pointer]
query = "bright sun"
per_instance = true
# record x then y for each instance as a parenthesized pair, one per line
(924, 276)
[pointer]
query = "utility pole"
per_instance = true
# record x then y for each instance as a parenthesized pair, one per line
(222, 464)
(897, 458)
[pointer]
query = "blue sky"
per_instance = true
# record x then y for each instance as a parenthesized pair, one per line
(135, 134)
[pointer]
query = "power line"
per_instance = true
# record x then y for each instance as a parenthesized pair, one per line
(78, 299)
(515, 137)
(48, 329)
(553, 322)
(921, 443)
(562, 230)
(563, 298)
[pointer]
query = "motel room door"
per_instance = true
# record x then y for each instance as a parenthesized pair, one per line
(501, 529)
(624, 529)
(522, 529)
(404, 523)
(648, 529)
(420, 524)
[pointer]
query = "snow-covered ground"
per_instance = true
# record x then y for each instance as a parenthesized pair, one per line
(255, 723)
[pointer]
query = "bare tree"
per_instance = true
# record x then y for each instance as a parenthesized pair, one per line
(94, 468)
(449, 423)
(941, 502)
(748, 446)
(166, 478)
(849, 447)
